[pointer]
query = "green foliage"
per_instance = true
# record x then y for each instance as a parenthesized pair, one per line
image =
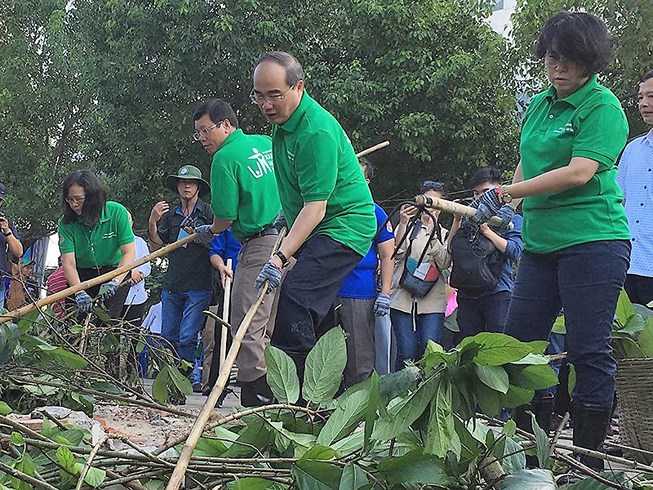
(324, 367)
(632, 330)
(282, 375)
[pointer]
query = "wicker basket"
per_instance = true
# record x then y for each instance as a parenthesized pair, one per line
(634, 381)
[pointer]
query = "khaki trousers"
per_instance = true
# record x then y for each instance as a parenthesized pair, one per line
(253, 256)
(208, 339)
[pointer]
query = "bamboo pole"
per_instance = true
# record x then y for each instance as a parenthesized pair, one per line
(20, 312)
(225, 315)
(444, 205)
(372, 149)
(202, 419)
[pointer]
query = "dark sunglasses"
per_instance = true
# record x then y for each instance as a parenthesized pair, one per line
(431, 185)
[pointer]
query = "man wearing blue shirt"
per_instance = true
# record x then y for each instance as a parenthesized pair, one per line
(359, 303)
(635, 177)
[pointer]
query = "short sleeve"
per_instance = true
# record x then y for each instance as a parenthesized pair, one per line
(225, 188)
(316, 163)
(600, 134)
(66, 242)
(123, 228)
(218, 245)
(383, 226)
(622, 170)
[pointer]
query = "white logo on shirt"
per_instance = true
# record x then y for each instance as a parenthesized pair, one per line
(264, 163)
(567, 128)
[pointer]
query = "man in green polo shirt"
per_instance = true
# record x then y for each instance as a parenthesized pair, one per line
(244, 197)
(325, 198)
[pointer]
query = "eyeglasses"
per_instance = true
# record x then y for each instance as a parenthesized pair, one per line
(258, 98)
(75, 200)
(197, 135)
(554, 60)
(432, 185)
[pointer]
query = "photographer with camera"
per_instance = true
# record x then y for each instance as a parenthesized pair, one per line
(9, 243)
(187, 288)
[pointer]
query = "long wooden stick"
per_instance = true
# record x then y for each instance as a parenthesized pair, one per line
(444, 205)
(372, 149)
(225, 315)
(95, 281)
(202, 419)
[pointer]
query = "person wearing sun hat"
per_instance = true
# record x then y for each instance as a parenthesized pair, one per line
(187, 285)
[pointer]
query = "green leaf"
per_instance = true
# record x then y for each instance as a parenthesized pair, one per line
(316, 475)
(536, 479)
(634, 325)
(415, 467)
(630, 348)
(537, 359)
(494, 377)
(394, 384)
(353, 478)
(517, 396)
(624, 308)
(405, 412)
(282, 375)
(180, 381)
(250, 483)
(95, 477)
(535, 377)
(17, 439)
(66, 459)
(488, 400)
(350, 410)
(441, 430)
(514, 456)
(319, 453)
(160, 386)
(542, 444)
(373, 404)
(509, 428)
(496, 349)
(324, 367)
(571, 380)
(210, 448)
(613, 476)
(256, 435)
(646, 338)
(559, 326)
(354, 442)
(4, 408)
(68, 359)
(435, 354)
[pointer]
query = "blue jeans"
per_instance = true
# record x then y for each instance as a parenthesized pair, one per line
(585, 280)
(412, 343)
(182, 320)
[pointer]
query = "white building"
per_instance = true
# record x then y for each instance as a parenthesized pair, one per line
(500, 18)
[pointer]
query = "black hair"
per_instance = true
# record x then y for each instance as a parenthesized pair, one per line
(369, 169)
(483, 175)
(647, 76)
(579, 37)
(95, 197)
(294, 70)
(432, 185)
(218, 110)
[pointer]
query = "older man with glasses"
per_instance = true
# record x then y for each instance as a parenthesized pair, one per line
(244, 197)
(326, 201)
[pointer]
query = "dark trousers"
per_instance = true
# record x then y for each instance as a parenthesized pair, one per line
(639, 289)
(307, 295)
(585, 280)
(483, 314)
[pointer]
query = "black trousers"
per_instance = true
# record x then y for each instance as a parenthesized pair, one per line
(308, 293)
(639, 289)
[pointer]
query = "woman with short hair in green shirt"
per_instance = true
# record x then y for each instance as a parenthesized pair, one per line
(576, 237)
(95, 237)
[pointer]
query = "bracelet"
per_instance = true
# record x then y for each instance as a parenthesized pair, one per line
(282, 257)
(7, 234)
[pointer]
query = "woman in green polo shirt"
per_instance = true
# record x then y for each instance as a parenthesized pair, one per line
(576, 238)
(95, 237)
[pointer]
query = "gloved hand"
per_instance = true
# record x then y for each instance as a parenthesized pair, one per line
(487, 205)
(110, 290)
(270, 273)
(84, 302)
(506, 214)
(204, 235)
(381, 305)
(280, 221)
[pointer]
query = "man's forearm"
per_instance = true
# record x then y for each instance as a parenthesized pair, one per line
(219, 225)
(307, 220)
(14, 245)
(153, 235)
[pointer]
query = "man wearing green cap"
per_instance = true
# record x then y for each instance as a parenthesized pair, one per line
(245, 198)
(187, 287)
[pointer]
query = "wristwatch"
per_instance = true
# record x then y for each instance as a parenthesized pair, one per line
(7, 234)
(282, 257)
(504, 195)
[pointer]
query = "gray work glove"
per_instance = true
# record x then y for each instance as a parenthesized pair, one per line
(487, 205)
(381, 305)
(110, 290)
(506, 214)
(270, 273)
(204, 235)
(84, 302)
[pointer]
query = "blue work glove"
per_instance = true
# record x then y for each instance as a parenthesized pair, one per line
(84, 302)
(110, 290)
(280, 222)
(506, 214)
(381, 305)
(487, 205)
(204, 235)
(270, 273)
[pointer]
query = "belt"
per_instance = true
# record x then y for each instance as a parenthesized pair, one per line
(268, 230)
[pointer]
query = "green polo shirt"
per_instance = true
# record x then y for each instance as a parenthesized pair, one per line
(314, 161)
(589, 123)
(100, 245)
(243, 187)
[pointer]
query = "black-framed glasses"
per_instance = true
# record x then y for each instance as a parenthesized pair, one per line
(258, 98)
(197, 135)
(432, 185)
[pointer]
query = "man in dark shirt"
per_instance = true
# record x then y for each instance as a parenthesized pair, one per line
(9, 243)
(186, 291)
